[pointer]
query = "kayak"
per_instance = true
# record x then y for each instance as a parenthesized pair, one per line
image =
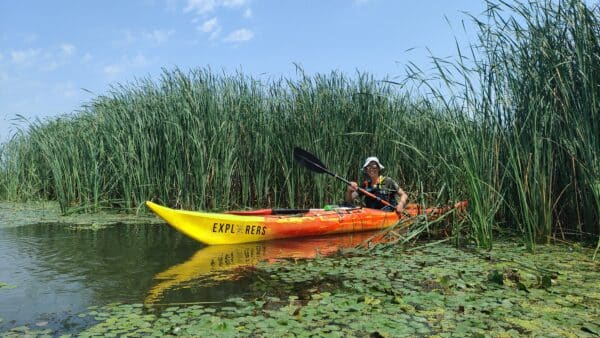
(235, 227)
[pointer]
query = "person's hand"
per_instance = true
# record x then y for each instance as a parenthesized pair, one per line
(399, 208)
(353, 186)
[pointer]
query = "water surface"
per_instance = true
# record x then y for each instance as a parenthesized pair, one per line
(54, 271)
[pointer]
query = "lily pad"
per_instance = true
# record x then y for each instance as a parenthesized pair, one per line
(6, 286)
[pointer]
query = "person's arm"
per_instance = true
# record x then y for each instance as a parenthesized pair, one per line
(403, 199)
(351, 193)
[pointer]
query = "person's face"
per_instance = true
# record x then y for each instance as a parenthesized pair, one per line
(372, 169)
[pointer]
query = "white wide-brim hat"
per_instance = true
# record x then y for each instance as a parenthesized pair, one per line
(372, 159)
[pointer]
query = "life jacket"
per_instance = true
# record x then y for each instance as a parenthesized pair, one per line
(378, 189)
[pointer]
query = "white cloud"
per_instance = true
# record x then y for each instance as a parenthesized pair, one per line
(200, 6)
(209, 25)
(45, 60)
(240, 35)
(67, 49)
(127, 37)
(234, 3)
(155, 37)
(139, 61)
(126, 63)
(159, 36)
(112, 70)
(65, 89)
(87, 57)
(206, 6)
(24, 56)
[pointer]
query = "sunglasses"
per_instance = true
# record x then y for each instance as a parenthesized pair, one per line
(372, 166)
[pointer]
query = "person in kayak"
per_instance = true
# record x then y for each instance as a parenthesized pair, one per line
(381, 186)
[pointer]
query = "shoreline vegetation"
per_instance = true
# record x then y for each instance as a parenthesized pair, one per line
(512, 125)
(14, 214)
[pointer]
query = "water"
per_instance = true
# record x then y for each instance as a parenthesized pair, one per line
(55, 271)
(59, 269)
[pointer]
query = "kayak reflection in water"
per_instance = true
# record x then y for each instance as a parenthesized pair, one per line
(382, 187)
(215, 263)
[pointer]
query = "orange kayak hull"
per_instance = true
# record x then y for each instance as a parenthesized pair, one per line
(263, 225)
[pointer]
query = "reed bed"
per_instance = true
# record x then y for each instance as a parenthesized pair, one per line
(532, 84)
(214, 141)
(513, 128)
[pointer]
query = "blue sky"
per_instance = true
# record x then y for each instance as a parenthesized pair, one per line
(57, 55)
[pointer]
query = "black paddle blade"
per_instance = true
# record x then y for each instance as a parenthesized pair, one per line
(309, 161)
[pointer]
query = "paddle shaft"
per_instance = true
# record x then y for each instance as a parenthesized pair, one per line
(363, 191)
(371, 195)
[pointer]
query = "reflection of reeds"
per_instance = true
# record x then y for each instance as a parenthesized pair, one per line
(518, 137)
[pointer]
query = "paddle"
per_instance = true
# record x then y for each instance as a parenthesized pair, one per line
(312, 163)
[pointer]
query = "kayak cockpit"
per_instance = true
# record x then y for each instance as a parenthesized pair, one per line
(285, 212)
